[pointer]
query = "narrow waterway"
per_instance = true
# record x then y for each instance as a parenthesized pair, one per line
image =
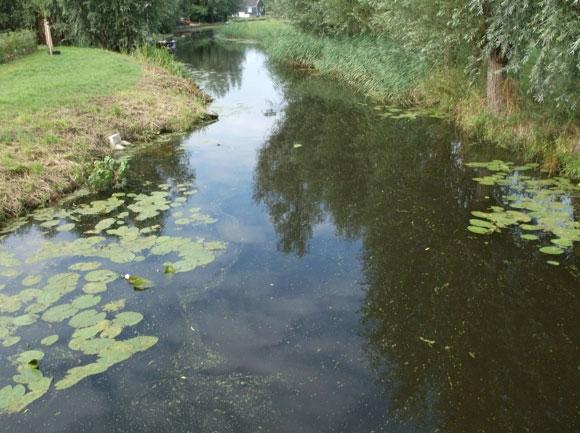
(311, 271)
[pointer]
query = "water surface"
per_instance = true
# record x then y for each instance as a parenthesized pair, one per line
(348, 295)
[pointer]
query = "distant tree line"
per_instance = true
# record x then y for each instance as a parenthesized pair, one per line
(119, 25)
(537, 39)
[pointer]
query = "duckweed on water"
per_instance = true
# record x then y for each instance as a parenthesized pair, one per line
(94, 334)
(537, 205)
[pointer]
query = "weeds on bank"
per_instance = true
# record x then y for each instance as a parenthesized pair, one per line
(379, 69)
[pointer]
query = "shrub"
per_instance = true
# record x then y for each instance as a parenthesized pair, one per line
(108, 174)
(16, 44)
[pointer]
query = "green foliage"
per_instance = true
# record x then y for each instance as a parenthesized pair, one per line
(538, 41)
(375, 66)
(120, 25)
(162, 58)
(16, 44)
(15, 15)
(209, 10)
(107, 174)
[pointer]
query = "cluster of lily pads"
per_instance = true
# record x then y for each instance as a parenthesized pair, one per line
(70, 304)
(392, 112)
(539, 208)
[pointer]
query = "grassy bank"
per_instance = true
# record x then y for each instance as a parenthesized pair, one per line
(384, 71)
(56, 113)
(375, 66)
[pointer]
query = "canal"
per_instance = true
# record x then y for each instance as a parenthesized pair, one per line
(302, 265)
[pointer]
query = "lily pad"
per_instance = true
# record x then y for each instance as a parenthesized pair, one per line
(114, 306)
(31, 280)
(552, 250)
(101, 276)
(104, 224)
(25, 320)
(76, 374)
(481, 223)
(85, 301)
(59, 313)
(28, 356)
(479, 230)
(86, 318)
(50, 340)
(128, 318)
(50, 224)
(85, 266)
(95, 288)
(11, 341)
(65, 227)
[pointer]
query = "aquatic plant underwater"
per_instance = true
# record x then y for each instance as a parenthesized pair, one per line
(77, 318)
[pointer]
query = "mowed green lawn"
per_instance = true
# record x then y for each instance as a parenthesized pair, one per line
(38, 82)
(56, 112)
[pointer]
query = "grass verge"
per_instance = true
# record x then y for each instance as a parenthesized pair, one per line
(57, 111)
(384, 71)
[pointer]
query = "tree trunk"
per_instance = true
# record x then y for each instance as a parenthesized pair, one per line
(496, 98)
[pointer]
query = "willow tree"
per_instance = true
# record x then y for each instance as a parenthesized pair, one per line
(16, 15)
(118, 25)
(541, 37)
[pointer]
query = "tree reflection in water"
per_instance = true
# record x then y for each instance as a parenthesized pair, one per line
(223, 61)
(467, 334)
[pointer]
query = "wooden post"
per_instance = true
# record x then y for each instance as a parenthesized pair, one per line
(48, 36)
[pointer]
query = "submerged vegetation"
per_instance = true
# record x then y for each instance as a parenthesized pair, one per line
(537, 117)
(91, 323)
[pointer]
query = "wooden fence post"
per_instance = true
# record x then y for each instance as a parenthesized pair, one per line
(48, 36)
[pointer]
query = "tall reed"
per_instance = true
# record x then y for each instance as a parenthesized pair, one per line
(374, 66)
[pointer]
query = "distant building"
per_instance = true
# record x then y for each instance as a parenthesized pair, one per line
(252, 8)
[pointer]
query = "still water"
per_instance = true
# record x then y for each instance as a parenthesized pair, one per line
(324, 279)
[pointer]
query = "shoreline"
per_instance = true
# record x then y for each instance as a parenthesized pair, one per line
(384, 73)
(48, 148)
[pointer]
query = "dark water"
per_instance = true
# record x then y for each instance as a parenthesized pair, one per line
(350, 297)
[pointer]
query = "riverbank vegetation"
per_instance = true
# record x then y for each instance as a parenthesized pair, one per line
(57, 111)
(16, 44)
(508, 71)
